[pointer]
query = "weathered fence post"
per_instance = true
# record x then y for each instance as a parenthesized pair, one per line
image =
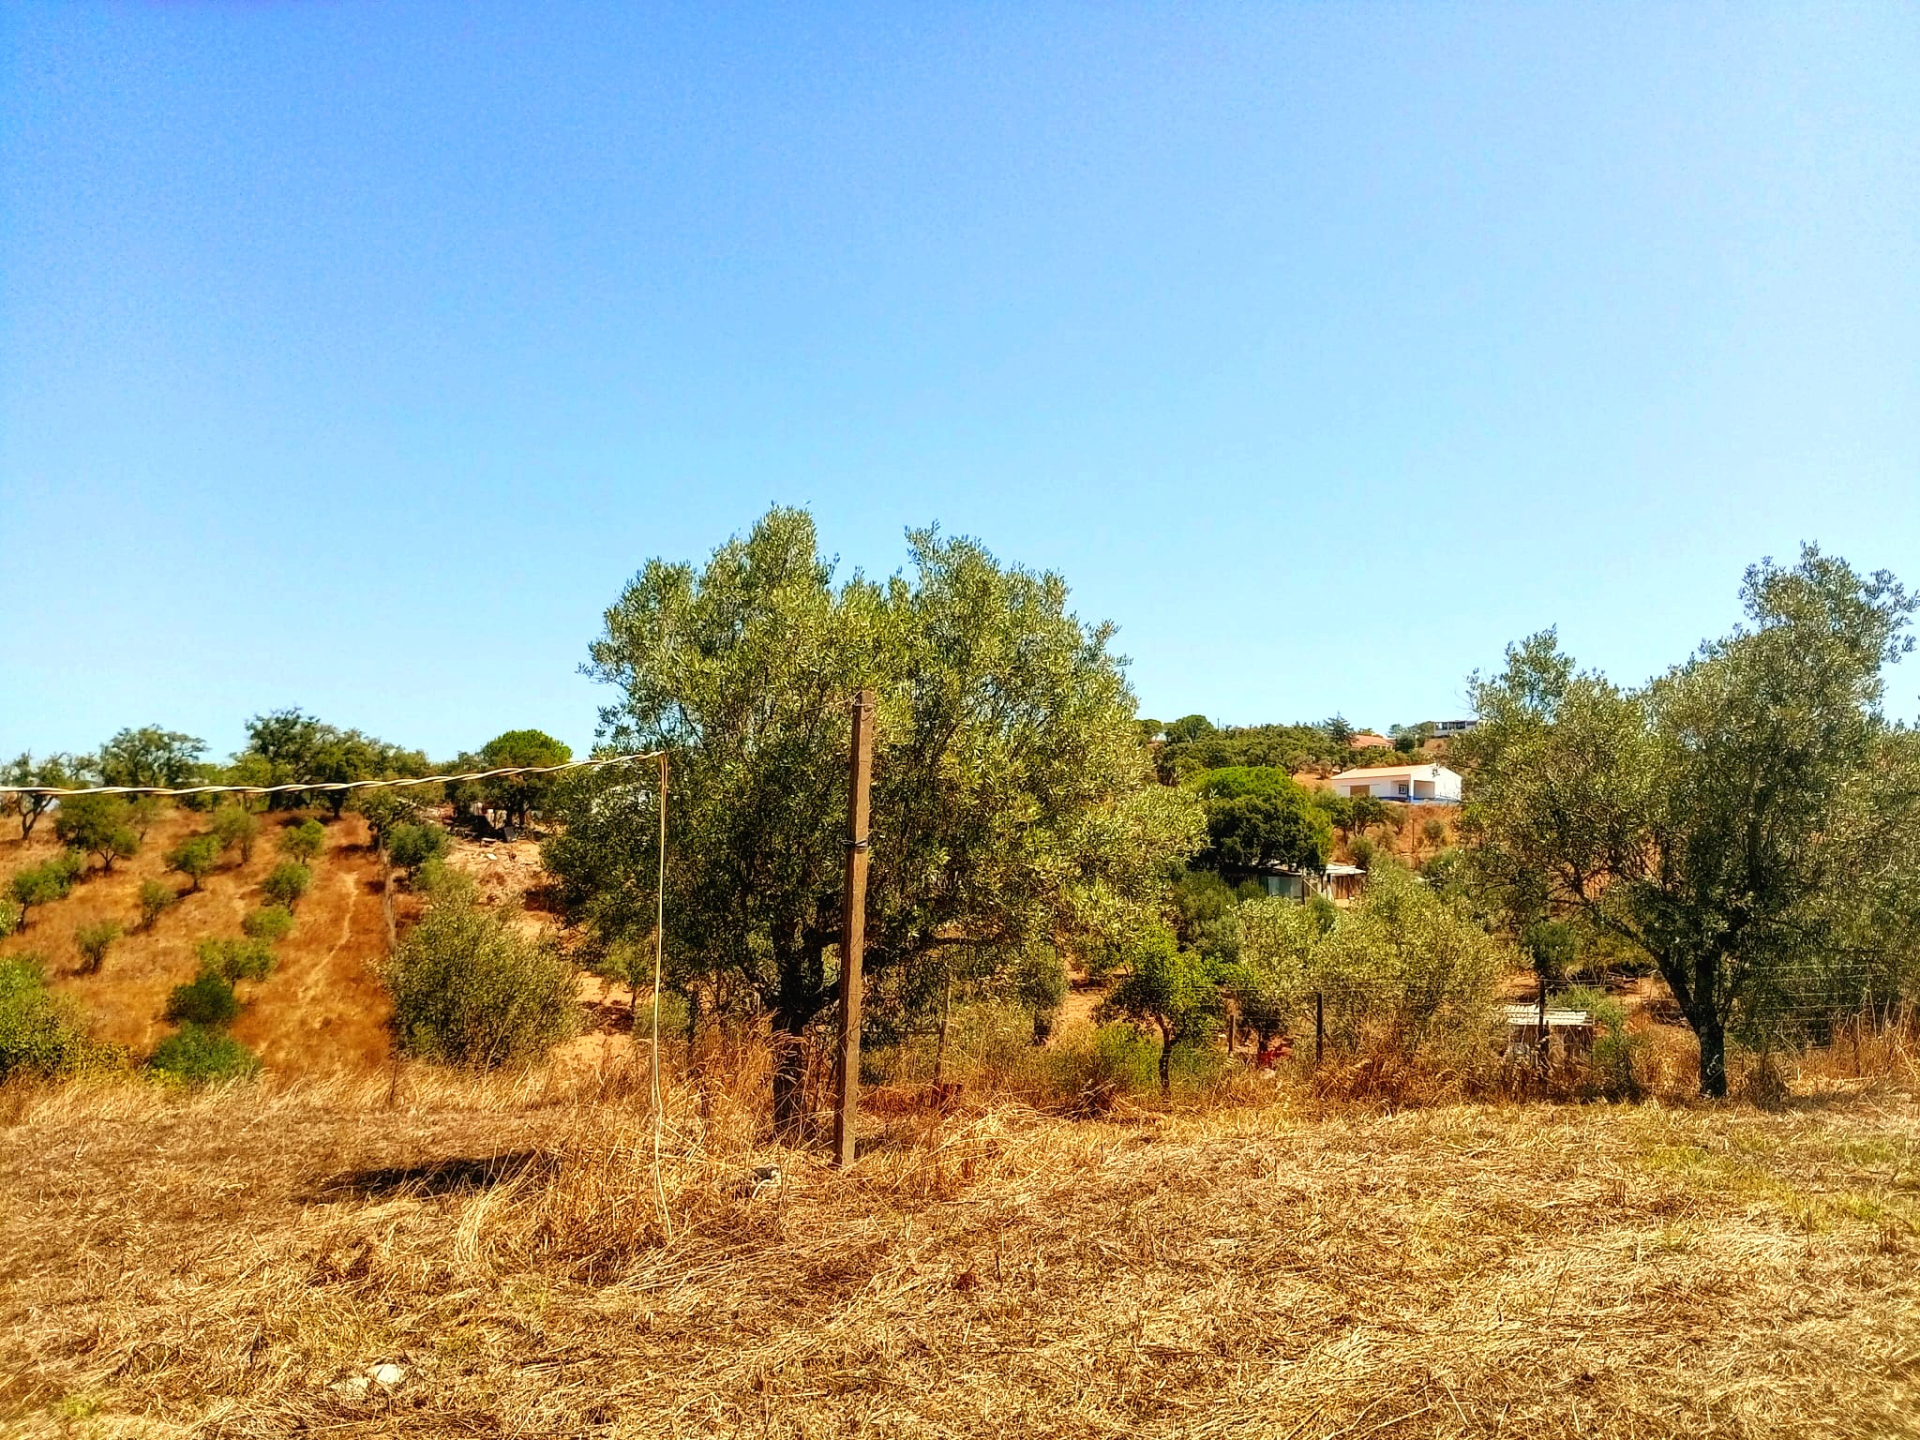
(853, 934)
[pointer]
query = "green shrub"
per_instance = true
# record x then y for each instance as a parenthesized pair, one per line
(1615, 1064)
(1097, 1069)
(287, 884)
(469, 990)
(39, 885)
(1408, 970)
(1040, 985)
(270, 923)
(438, 880)
(93, 942)
(194, 857)
(300, 843)
(1362, 850)
(198, 1055)
(236, 828)
(412, 846)
(10, 916)
(1553, 947)
(97, 825)
(155, 897)
(40, 1031)
(234, 960)
(207, 999)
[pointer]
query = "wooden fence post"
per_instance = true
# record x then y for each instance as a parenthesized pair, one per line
(853, 934)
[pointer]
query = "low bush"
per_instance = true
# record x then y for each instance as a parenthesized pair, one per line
(469, 990)
(1040, 986)
(1613, 1069)
(41, 885)
(411, 846)
(287, 884)
(234, 960)
(236, 828)
(1406, 971)
(200, 1055)
(93, 942)
(155, 897)
(207, 999)
(438, 880)
(194, 857)
(40, 1032)
(1097, 1068)
(270, 923)
(301, 842)
(9, 918)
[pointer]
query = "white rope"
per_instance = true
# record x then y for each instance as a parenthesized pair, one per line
(659, 945)
(325, 784)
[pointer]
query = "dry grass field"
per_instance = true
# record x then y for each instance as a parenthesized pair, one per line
(237, 1263)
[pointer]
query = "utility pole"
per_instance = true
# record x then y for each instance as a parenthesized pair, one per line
(853, 936)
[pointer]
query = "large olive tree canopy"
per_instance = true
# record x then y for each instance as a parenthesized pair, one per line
(1013, 802)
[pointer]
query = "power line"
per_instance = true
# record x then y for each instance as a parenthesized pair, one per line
(56, 793)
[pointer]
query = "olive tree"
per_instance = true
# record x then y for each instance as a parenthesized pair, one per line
(303, 841)
(1270, 984)
(55, 772)
(38, 885)
(1748, 819)
(1012, 798)
(1176, 991)
(97, 825)
(287, 883)
(150, 756)
(235, 827)
(470, 990)
(518, 794)
(93, 942)
(194, 857)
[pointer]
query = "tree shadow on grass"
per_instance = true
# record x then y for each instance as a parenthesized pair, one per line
(456, 1175)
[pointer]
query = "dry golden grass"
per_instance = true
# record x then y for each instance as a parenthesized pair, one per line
(226, 1264)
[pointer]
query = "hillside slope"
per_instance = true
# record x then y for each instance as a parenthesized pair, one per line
(321, 1010)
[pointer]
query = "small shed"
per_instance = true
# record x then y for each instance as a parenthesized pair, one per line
(1567, 1032)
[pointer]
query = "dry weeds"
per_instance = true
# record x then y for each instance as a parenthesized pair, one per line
(228, 1264)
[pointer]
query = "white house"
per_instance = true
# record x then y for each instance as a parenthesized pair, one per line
(1412, 784)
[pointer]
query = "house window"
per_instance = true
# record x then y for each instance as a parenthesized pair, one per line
(1401, 788)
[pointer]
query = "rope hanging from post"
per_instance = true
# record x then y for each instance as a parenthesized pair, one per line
(659, 950)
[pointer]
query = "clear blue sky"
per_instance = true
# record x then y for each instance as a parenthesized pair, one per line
(353, 356)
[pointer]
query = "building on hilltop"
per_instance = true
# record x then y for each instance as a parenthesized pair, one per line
(1411, 784)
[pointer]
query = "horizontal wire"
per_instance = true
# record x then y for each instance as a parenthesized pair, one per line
(325, 784)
